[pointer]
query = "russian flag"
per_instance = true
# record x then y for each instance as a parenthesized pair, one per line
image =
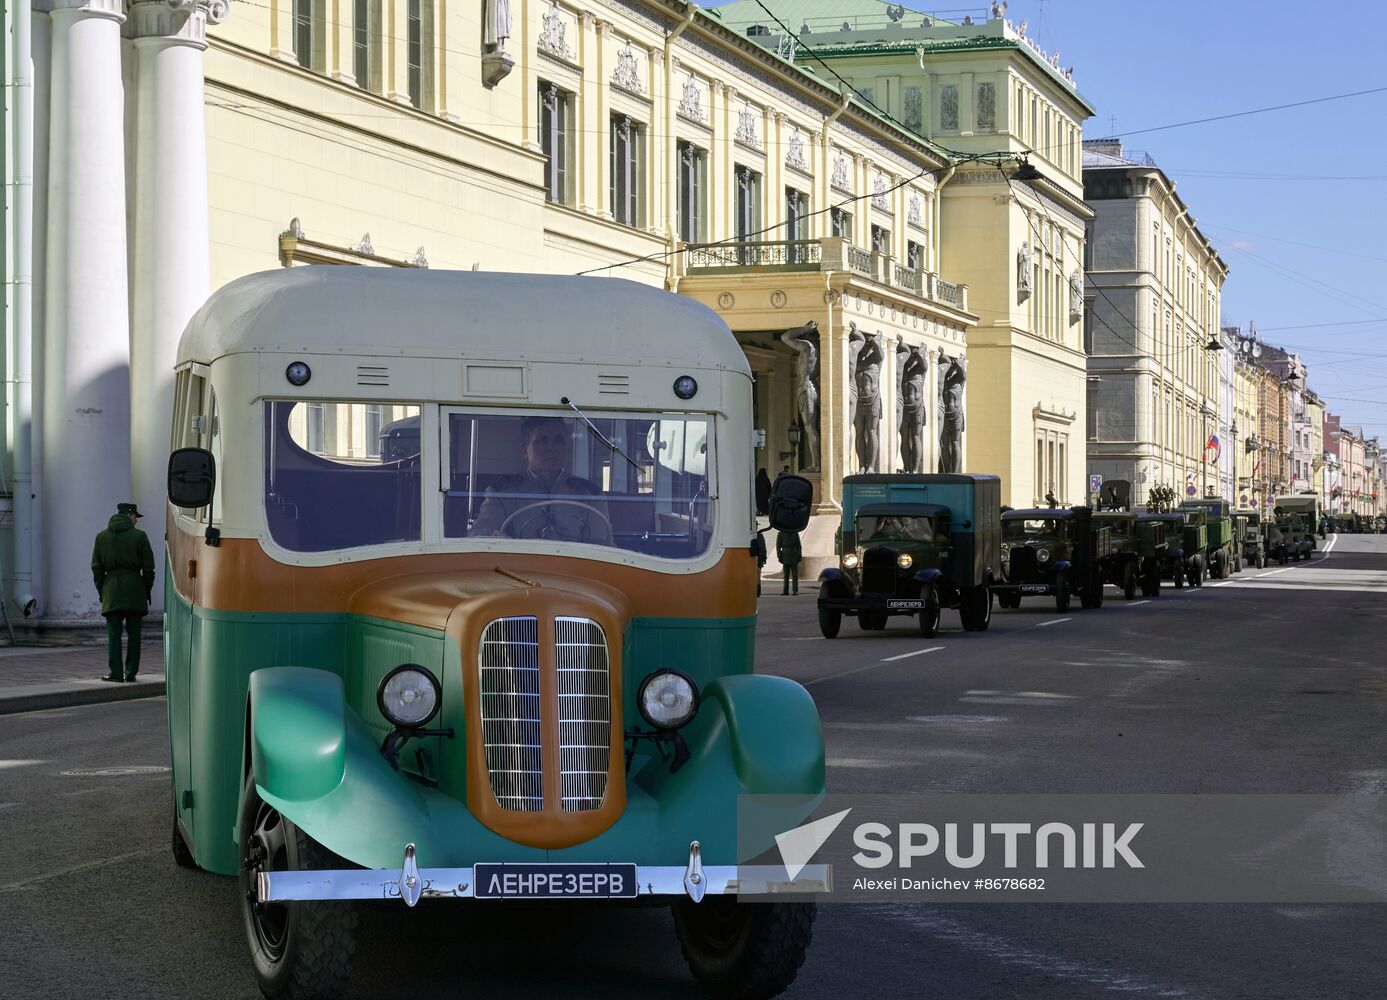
(1215, 446)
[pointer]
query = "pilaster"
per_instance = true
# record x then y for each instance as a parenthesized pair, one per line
(341, 29)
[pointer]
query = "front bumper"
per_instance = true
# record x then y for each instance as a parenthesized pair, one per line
(412, 883)
(887, 603)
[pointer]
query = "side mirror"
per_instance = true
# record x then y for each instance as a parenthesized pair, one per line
(192, 478)
(792, 501)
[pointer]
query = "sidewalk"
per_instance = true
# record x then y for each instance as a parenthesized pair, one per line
(33, 678)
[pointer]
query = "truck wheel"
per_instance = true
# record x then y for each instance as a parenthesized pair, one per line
(1061, 593)
(1129, 581)
(1261, 562)
(830, 622)
(300, 951)
(976, 610)
(1095, 594)
(1194, 571)
(1153, 581)
(182, 856)
(1178, 577)
(929, 616)
(743, 951)
(1285, 557)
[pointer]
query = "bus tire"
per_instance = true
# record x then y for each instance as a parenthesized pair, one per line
(299, 951)
(743, 951)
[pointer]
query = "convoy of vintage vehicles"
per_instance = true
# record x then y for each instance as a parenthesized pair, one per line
(1053, 552)
(913, 545)
(1173, 563)
(504, 655)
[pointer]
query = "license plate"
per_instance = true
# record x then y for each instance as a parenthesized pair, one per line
(911, 605)
(1034, 588)
(575, 881)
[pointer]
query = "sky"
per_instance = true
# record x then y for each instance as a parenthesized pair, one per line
(1295, 200)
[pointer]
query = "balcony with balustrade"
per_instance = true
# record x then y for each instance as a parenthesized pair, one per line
(729, 260)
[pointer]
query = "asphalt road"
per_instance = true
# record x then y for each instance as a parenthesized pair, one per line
(1273, 682)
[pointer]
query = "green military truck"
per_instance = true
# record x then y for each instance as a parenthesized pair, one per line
(1307, 505)
(1138, 551)
(1247, 535)
(1053, 552)
(1298, 536)
(914, 545)
(1220, 558)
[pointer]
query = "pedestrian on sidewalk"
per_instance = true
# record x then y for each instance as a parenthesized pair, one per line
(787, 550)
(123, 571)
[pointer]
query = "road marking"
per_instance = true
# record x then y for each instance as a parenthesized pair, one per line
(1275, 571)
(1137, 604)
(902, 656)
(1054, 621)
(64, 873)
(1223, 584)
(6, 764)
(858, 670)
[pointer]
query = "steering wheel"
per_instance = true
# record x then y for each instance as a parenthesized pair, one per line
(606, 521)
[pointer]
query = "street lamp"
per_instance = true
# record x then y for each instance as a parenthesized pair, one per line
(1026, 172)
(794, 434)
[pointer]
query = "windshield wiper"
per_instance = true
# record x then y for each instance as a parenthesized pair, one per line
(598, 434)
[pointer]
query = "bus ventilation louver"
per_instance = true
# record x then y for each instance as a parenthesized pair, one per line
(372, 375)
(509, 663)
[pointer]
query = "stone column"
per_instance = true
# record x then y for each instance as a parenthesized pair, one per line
(169, 259)
(87, 348)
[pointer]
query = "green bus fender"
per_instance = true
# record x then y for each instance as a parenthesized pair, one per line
(777, 741)
(298, 732)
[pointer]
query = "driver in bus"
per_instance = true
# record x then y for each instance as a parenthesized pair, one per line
(544, 501)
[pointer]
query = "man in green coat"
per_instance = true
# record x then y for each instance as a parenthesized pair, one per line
(123, 571)
(787, 550)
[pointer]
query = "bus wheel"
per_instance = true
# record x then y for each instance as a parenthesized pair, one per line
(740, 951)
(300, 951)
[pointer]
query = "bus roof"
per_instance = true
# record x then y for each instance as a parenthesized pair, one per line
(337, 309)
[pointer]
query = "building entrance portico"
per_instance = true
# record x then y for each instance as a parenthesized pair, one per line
(860, 364)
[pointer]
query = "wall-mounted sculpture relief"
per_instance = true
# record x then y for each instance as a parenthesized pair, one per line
(866, 417)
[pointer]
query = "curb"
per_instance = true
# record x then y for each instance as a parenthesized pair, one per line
(80, 696)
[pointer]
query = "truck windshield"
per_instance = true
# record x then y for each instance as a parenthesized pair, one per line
(894, 527)
(1019, 529)
(548, 476)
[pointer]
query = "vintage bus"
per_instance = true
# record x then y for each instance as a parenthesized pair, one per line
(460, 604)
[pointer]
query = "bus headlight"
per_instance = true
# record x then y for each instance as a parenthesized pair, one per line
(409, 696)
(850, 561)
(1042, 555)
(667, 699)
(904, 561)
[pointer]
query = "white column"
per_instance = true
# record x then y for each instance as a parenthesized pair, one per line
(87, 348)
(169, 259)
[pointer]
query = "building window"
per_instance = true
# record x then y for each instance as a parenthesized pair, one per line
(1088, 329)
(841, 222)
(796, 223)
(628, 180)
(555, 127)
(914, 255)
(420, 52)
(366, 44)
(881, 239)
(693, 183)
(748, 202)
(306, 31)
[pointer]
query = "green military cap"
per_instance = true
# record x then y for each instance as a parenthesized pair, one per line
(128, 508)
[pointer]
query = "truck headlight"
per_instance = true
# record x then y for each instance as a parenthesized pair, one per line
(1042, 555)
(409, 696)
(850, 561)
(667, 699)
(904, 561)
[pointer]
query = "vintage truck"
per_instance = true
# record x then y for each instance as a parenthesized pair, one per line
(1307, 505)
(1247, 534)
(1220, 558)
(1053, 551)
(1138, 551)
(1298, 534)
(913, 545)
(1174, 563)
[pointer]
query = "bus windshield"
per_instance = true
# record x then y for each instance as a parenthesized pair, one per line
(638, 482)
